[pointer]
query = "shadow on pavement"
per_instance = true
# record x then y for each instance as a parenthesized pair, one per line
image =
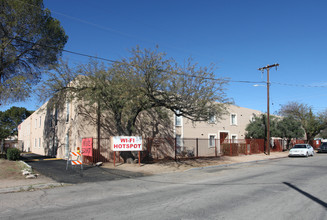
(313, 198)
(56, 170)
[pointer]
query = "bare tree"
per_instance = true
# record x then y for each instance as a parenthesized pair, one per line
(144, 82)
(304, 114)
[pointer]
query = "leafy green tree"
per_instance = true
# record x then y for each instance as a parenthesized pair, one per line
(289, 128)
(30, 40)
(302, 113)
(323, 134)
(11, 118)
(144, 82)
(323, 118)
(4, 130)
(257, 128)
(9, 121)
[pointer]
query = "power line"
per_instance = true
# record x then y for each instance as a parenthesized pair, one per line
(114, 61)
(67, 51)
(108, 28)
(90, 56)
(245, 81)
(208, 78)
(299, 85)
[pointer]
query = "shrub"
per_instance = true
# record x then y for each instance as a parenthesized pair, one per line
(13, 154)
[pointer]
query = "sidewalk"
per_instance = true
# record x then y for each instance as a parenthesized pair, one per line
(53, 171)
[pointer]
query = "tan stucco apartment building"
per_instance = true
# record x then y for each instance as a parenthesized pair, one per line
(231, 126)
(56, 131)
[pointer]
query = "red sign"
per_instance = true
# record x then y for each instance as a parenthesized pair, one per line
(87, 145)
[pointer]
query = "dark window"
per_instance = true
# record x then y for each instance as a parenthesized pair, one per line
(300, 146)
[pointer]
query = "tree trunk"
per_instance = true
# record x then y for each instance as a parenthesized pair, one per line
(2, 150)
(127, 156)
(288, 143)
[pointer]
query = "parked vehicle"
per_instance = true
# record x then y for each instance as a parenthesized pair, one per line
(301, 150)
(322, 148)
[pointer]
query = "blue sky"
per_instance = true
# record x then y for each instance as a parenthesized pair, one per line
(238, 36)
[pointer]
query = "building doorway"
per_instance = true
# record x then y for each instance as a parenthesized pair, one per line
(222, 136)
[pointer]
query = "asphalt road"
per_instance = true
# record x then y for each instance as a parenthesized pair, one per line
(288, 188)
(56, 170)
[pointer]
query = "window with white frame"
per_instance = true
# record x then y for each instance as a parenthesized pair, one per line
(35, 143)
(35, 123)
(212, 118)
(40, 121)
(39, 142)
(212, 140)
(233, 119)
(178, 119)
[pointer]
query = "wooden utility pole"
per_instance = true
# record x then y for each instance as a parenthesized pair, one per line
(98, 132)
(268, 119)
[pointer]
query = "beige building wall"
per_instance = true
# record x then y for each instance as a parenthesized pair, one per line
(56, 132)
(30, 132)
(24, 131)
(231, 126)
(68, 129)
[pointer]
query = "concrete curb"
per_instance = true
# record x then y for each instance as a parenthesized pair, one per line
(31, 187)
(33, 160)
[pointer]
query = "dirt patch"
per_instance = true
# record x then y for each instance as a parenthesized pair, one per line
(11, 170)
(11, 175)
(182, 165)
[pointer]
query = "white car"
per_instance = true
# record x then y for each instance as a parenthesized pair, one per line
(301, 150)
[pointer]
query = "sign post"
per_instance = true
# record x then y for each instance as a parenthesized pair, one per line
(127, 143)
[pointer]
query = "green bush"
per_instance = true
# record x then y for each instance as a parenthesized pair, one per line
(13, 154)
